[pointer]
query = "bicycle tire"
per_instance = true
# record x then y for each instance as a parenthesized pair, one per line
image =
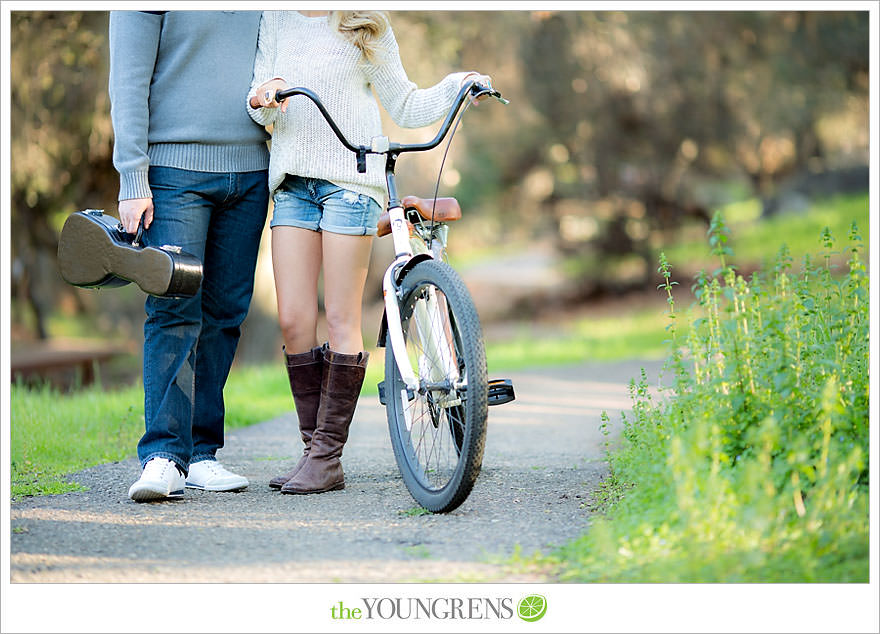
(439, 463)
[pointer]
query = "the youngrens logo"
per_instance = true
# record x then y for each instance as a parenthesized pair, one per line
(530, 608)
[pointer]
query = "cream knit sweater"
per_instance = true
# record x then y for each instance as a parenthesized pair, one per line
(306, 53)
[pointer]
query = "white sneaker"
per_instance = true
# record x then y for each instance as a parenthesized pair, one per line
(159, 479)
(210, 475)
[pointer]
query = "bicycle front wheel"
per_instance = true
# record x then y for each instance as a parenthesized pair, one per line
(439, 431)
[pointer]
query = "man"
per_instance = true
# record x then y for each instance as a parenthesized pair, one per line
(193, 168)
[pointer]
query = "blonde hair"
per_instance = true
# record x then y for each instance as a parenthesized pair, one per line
(361, 28)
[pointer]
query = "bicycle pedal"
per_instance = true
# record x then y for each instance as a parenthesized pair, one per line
(501, 391)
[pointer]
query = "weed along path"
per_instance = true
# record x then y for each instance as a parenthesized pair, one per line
(544, 455)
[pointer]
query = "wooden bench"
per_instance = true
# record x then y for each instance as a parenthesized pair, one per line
(62, 362)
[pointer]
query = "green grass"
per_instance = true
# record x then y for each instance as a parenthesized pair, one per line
(752, 465)
(635, 335)
(756, 241)
(55, 433)
(255, 393)
(415, 511)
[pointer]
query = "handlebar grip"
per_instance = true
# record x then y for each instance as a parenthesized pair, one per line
(254, 101)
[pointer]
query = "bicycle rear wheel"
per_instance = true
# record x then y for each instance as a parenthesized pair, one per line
(438, 432)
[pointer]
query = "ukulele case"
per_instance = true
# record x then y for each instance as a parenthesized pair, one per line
(94, 251)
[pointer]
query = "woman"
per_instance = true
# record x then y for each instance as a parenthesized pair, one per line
(326, 212)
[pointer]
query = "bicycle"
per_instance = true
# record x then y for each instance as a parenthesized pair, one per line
(436, 391)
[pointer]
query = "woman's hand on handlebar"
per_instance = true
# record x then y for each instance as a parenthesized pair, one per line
(483, 80)
(265, 97)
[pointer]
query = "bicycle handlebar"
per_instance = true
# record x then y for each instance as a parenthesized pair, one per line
(476, 90)
(281, 95)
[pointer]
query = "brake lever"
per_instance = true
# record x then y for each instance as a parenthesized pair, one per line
(478, 90)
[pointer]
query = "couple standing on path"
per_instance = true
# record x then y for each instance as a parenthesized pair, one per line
(191, 151)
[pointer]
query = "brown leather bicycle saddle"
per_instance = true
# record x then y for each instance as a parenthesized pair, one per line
(445, 210)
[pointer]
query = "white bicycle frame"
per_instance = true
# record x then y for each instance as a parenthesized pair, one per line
(437, 354)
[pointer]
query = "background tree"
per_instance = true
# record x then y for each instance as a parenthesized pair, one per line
(61, 144)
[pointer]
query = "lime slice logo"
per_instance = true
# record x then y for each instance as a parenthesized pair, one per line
(532, 608)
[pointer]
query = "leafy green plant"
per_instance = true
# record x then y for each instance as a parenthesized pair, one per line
(753, 464)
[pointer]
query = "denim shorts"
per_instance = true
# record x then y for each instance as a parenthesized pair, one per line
(319, 205)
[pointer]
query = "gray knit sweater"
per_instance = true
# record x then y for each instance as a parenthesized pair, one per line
(177, 79)
(306, 52)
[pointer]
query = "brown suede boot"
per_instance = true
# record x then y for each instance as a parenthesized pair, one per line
(343, 378)
(305, 372)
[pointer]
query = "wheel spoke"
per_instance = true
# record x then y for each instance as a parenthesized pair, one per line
(432, 453)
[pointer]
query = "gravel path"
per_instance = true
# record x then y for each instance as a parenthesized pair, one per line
(544, 454)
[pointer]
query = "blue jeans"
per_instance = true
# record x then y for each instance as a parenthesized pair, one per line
(189, 343)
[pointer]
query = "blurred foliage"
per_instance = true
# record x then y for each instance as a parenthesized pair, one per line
(61, 144)
(629, 125)
(623, 128)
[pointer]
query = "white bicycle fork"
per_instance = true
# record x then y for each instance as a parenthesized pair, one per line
(429, 322)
